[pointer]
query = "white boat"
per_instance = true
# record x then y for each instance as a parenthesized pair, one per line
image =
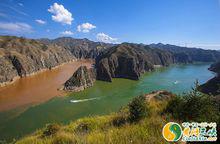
(176, 82)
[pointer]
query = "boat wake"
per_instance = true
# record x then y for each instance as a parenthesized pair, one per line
(84, 100)
(176, 82)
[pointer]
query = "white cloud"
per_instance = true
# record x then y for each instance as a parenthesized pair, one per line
(60, 14)
(85, 27)
(15, 27)
(14, 9)
(105, 38)
(67, 33)
(20, 4)
(40, 21)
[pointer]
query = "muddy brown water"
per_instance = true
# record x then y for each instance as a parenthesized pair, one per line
(38, 88)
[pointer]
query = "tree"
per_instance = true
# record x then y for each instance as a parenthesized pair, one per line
(138, 108)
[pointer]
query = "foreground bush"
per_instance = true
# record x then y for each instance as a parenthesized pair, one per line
(138, 108)
(194, 106)
(51, 129)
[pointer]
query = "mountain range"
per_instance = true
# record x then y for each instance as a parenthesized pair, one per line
(20, 57)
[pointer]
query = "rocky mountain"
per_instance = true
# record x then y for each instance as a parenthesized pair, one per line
(80, 48)
(213, 85)
(130, 61)
(21, 57)
(188, 55)
(215, 68)
(80, 80)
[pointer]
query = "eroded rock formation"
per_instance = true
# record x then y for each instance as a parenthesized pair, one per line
(80, 80)
(21, 57)
(130, 61)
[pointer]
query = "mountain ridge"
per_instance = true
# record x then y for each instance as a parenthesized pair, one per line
(189, 55)
(21, 57)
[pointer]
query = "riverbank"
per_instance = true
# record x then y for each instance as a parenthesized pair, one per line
(3, 84)
(38, 87)
(101, 99)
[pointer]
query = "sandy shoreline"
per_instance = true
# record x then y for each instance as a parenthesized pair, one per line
(38, 87)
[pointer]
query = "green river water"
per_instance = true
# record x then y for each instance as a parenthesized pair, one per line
(102, 98)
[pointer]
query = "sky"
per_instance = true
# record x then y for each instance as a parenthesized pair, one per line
(191, 23)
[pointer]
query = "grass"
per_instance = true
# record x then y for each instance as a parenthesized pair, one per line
(147, 130)
(104, 129)
(119, 128)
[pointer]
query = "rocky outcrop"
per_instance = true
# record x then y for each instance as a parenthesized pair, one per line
(80, 80)
(189, 55)
(80, 48)
(161, 95)
(20, 57)
(213, 85)
(129, 61)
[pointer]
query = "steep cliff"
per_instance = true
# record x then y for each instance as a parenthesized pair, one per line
(213, 85)
(189, 55)
(21, 57)
(80, 48)
(80, 80)
(129, 61)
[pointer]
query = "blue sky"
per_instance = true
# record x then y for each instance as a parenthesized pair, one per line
(194, 23)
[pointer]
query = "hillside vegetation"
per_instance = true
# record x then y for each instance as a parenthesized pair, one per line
(141, 121)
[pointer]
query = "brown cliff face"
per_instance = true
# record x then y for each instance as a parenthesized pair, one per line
(215, 68)
(213, 85)
(80, 80)
(22, 57)
(129, 61)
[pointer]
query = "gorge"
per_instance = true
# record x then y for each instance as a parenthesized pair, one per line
(116, 63)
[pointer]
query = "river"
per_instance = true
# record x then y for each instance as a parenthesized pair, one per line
(37, 88)
(102, 98)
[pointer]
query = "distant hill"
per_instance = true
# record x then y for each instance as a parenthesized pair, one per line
(80, 48)
(188, 55)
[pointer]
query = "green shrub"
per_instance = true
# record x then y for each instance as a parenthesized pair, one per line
(51, 129)
(138, 109)
(83, 127)
(174, 106)
(193, 106)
